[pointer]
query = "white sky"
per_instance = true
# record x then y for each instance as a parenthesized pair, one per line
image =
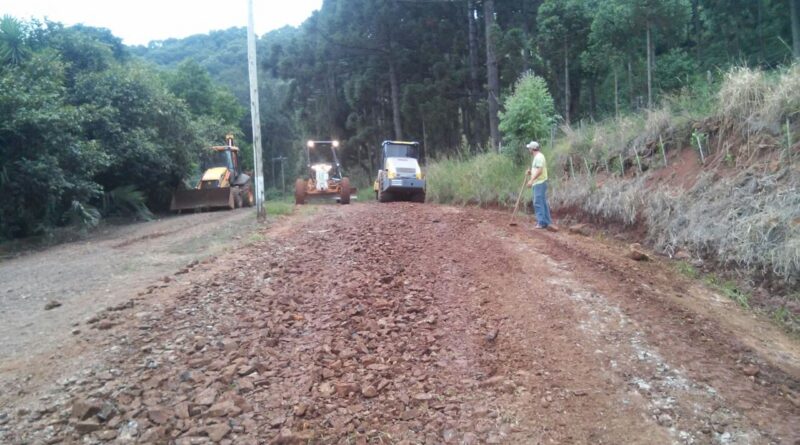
(139, 21)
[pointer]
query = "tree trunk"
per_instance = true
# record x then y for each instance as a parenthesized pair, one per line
(616, 93)
(398, 129)
(424, 136)
(492, 75)
(630, 83)
(473, 49)
(474, 85)
(566, 82)
(795, 12)
(649, 69)
(696, 26)
(760, 24)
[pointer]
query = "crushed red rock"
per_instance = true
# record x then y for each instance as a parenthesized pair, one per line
(361, 327)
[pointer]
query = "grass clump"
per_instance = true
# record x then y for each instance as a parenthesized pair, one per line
(613, 200)
(730, 290)
(687, 270)
(754, 101)
(365, 194)
(279, 207)
(484, 180)
(742, 94)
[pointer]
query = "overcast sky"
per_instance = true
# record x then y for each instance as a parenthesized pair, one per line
(140, 21)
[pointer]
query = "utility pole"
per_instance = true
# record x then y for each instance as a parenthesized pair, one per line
(254, 114)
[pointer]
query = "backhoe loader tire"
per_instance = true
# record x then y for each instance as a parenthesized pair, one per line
(300, 191)
(344, 191)
(249, 197)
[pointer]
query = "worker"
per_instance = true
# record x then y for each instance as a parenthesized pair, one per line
(538, 182)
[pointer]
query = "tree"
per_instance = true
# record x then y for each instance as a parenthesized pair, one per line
(192, 83)
(46, 164)
(13, 49)
(493, 87)
(668, 16)
(794, 8)
(529, 114)
(564, 27)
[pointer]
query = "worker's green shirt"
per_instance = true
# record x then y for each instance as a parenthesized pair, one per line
(539, 162)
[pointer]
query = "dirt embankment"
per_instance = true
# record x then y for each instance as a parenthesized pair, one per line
(405, 323)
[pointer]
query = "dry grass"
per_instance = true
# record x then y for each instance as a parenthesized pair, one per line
(782, 101)
(615, 200)
(750, 221)
(754, 101)
(742, 94)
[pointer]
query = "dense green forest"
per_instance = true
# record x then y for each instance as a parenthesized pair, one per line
(438, 71)
(89, 131)
(88, 123)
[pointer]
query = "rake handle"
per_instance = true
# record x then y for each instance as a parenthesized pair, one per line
(519, 197)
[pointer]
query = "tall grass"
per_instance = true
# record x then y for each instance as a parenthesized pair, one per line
(484, 180)
(755, 101)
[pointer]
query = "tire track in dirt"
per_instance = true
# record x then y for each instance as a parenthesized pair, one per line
(746, 394)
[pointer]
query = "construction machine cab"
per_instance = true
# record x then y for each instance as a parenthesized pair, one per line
(400, 175)
(222, 156)
(394, 149)
(324, 174)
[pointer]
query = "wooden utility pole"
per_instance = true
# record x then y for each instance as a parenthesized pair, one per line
(254, 114)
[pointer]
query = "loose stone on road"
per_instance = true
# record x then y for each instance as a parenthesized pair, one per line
(406, 323)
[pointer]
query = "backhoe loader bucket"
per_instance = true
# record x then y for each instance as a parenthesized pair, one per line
(216, 198)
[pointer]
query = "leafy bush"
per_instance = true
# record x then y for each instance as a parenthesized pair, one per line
(126, 201)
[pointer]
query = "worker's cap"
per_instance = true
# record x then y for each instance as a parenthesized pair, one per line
(533, 145)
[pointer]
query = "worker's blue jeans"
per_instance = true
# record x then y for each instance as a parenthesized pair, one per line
(540, 206)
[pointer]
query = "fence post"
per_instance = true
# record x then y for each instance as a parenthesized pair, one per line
(571, 168)
(638, 160)
(700, 147)
(788, 141)
(663, 149)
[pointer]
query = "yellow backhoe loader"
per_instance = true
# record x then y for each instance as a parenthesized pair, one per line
(223, 185)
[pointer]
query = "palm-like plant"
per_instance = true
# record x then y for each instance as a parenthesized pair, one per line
(13, 49)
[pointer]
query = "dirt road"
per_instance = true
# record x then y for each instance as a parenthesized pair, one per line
(408, 323)
(107, 269)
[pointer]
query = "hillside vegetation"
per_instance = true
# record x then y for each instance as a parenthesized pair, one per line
(711, 177)
(89, 131)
